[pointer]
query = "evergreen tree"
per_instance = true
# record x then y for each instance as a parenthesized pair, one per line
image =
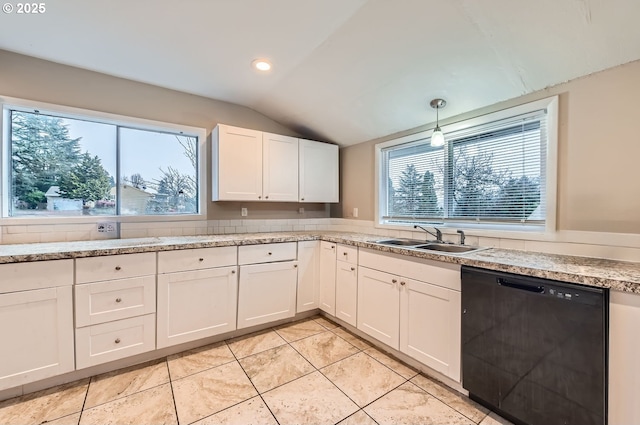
(391, 198)
(88, 180)
(409, 191)
(428, 198)
(42, 152)
(518, 198)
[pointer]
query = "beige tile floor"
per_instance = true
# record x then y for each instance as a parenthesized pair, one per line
(307, 372)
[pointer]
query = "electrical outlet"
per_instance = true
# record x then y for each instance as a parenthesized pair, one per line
(244, 212)
(107, 227)
(355, 212)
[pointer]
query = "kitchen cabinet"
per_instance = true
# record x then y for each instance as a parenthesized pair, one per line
(115, 307)
(319, 173)
(328, 255)
(250, 165)
(267, 290)
(413, 307)
(347, 284)
(36, 321)
(624, 352)
(197, 294)
(379, 306)
(308, 276)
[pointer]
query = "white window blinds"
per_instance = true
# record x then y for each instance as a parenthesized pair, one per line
(494, 172)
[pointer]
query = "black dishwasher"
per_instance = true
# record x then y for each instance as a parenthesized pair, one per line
(535, 350)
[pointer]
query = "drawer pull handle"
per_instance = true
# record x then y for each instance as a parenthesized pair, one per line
(118, 300)
(403, 283)
(353, 269)
(394, 280)
(117, 341)
(201, 259)
(118, 268)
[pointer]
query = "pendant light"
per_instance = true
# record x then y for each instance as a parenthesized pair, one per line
(437, 137)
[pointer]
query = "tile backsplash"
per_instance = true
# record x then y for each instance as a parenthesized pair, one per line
(568, 245)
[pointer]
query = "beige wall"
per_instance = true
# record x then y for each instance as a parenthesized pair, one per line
(598, 154)
(35, 79)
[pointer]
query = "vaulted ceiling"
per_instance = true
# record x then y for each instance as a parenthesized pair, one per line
(345, 71)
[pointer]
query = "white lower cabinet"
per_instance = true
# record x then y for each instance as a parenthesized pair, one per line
(346, 292)
(412, 306)
(115, 340)
(36, 328)
(308, 275)
(328, 277)
(430, 325)
(267, 292)
(196, 304)
(379, 306)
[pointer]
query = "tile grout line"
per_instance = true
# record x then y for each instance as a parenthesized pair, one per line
(173, 397)
(86, 395)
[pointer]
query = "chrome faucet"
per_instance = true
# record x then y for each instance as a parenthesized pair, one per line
(461, 236)
(438, 233)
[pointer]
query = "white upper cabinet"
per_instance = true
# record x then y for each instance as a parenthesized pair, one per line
(237, 164)
(318, 172)
(250, 165)
(279, 168)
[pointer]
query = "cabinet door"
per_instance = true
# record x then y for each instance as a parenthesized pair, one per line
(308, 275)
(346, 292)
(328, 277)
(279, 168)
(379, 306)
(237, 164)
(196, 304)
(267, 293)
(36, 329)
(318, 172)
(430, 326)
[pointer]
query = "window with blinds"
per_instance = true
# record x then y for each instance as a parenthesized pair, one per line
(494, 172)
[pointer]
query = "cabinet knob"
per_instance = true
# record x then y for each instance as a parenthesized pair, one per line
(233, 272)
(302, 199)
(403, 283)
(259, 197)
(270, 253)
(118, 300)
(118, 268)
(117, 341)
(353, 269)
(201, 259)
(295, 266)
(266, 197)
(344, 253)
(332, 246)
(394, 280)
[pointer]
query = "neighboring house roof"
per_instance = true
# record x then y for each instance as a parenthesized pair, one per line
(54, 191)
(127, 190)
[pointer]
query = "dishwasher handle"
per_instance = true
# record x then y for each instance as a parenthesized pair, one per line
(539, 289)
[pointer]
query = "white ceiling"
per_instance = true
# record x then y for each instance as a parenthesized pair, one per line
(345, 71)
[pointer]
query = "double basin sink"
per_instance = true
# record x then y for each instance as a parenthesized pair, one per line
(448, 248)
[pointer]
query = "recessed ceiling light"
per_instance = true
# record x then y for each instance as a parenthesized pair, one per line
(261, 64)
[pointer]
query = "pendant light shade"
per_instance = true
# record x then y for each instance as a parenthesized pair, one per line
(437, 137)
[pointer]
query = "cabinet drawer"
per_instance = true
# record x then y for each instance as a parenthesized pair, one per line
(35, 275)
(119, 299)
(109, 267)
(115, 340)
(197, 259)
(348, 254)
(266, 253)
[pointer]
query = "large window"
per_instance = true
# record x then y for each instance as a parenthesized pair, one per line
(492, 170)
(62, 165)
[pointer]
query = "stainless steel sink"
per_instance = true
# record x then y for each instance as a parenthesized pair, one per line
(450, 248)
(401, 242)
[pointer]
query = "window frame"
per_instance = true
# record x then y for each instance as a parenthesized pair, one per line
(9, 103)
(488, 229)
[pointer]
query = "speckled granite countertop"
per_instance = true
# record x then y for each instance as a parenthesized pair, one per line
(617, 275)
